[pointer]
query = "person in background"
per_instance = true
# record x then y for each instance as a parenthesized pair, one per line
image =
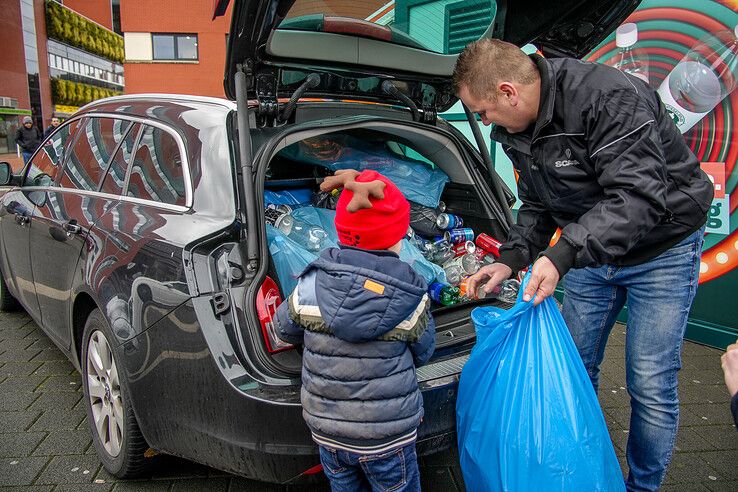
(28, 138)
(730, 371)
(54, 123)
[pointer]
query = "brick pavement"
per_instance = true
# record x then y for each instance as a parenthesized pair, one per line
(45, 443)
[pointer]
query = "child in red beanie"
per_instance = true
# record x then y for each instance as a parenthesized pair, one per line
(364, 319)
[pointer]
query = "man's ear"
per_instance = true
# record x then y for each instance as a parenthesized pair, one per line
(508, 92)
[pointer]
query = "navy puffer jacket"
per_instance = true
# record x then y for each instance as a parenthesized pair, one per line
(364, 319)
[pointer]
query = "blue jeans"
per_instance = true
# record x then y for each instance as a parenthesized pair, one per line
(395, 470)
(26, 156)
(659, 294)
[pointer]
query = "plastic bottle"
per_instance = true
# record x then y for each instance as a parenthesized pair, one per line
(310, 237)
(703, 78)
(444, 294)
(629, 59)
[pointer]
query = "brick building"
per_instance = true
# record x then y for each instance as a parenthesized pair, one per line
(181, 49)
(57, 55)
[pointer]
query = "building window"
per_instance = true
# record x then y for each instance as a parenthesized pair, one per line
(174, 46)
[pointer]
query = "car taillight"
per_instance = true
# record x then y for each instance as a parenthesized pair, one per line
(267, 301)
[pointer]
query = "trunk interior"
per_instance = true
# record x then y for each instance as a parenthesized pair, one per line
(292, 172)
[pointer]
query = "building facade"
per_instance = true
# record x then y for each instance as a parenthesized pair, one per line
(57, 56)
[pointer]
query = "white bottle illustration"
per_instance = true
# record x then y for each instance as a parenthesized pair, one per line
(629, 59)
(703, 78)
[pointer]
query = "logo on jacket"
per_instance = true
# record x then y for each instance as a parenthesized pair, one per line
(568, 161)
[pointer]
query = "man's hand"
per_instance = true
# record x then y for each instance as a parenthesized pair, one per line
(543, 280)
(730, 368)
(491, 274)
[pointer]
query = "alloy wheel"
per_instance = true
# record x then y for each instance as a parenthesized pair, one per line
(104, 393)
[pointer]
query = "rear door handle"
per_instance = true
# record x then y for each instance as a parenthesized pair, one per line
(21, 219)
(71, 227)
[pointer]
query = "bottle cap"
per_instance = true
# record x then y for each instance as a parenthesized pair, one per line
(626, 35)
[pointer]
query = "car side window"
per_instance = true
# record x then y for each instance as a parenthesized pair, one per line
(91, 152)
(156, 173)
(45, 166)
(116, 177)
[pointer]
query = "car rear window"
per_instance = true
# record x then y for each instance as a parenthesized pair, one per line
(89, 157)
(156, 173)
(116, 177)
(441, 26)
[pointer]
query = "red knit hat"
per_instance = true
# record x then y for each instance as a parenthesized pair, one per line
(378, 227)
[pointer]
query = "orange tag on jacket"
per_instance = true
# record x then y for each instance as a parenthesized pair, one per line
(374, 287)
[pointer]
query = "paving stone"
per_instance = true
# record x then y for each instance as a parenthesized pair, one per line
(17, 344)
(696, 350)
(725, 463)
(14, 401)
(50, 354)
(714, 414)
(692, 439)
(69, 470)
(53, 420)
(56, 368)
(31, 488)
(61, 401)
(20, 471)
(730, 486)
(84, 487)
(61, 383)
(720, 437)
(19, 368)
(42, 343)
(17, 421)
(168, 467)
(687, 468)
(143, 486)
(239, 484)
(22, 383)
(20, 444)
(201, 485)
(59, 443)
(684, 487)
(18, 355)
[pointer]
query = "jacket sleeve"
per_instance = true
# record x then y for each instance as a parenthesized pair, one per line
(530, 234)
(287, 329)
(423, 348)
(626, 151)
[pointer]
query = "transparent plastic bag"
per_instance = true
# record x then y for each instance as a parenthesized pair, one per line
(526, 413)
(418, 181)
(290, 258)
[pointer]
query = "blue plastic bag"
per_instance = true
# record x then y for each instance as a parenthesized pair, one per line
(294, 198)
(527, 416)
(419, 182)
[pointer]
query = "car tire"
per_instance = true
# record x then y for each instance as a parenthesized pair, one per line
(115, 432)
(7, 301)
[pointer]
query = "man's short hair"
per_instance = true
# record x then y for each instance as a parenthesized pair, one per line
(485, 63)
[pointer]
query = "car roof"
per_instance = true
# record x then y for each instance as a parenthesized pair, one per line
(110, 103)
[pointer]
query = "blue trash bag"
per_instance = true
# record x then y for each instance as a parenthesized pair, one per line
(289, 257)
(410, 254)
(527, 416)
(294, 198)
(419, 182)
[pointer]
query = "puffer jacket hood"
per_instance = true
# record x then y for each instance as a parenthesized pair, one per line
(348, 282)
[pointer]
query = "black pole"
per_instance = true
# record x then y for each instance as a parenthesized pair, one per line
(494, 178)
(246, 157)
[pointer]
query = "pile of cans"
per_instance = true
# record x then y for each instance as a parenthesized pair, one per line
(460, 253)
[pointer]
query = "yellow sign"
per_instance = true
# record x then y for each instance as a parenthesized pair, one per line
(65, 109)
(374, 287)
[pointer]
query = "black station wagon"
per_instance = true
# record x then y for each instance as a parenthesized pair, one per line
(135, 237)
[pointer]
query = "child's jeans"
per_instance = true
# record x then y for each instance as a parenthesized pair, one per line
(395, 470)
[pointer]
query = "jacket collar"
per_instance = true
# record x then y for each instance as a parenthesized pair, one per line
(522, 141)
(377, 252)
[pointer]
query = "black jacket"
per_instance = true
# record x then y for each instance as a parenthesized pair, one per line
(28, 138)
(604, 162)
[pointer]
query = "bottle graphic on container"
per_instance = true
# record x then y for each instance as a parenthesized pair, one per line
(703, 78)
(629, 59)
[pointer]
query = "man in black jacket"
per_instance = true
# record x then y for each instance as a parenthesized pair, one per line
(28, 137)
(598, 156)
